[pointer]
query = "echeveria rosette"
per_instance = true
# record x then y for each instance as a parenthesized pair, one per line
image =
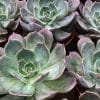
(8, 14)
(30, 67)
(51, 14)
(90, 20)
(8, 17)
(86, 65)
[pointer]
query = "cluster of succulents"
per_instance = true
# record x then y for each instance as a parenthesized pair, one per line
(46, 48)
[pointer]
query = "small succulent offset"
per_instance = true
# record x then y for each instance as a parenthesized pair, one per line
(29, 66)
(86, 65)
(8, 16)
(51, 14)
(90, 19)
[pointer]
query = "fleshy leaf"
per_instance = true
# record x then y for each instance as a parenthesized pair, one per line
(6, 84)
(30, 27)
(21, 89)
(74, 63)
(12, 47)
(41, 54)
(27, 55)
(61, 35)
(48, 37)
(96, 55)
(63, 9)
(55, 70)
(52, 14)
(86, 49)
(95, 7)
(33, 39)
(31, 4)
(88, 4)
(64, 84)
(17, 37)
(54, 56)
(6, 65)
(73, 5)
(42, 91)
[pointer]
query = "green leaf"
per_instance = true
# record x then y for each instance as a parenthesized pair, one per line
(61, 35)
(16, 37)
(42, 91)
(41, 54)
(88, 4)
(26, 15)
(3, 31)
(86, 49)
(55, 70)
(97, 66)
(2, 18)
(64, 84)
(26, 55)
(21, 89)
(12, 47)
(66, 20)
(48, 37)
(83, 23)
(57, 54)
(73, 5)
(63, 9)
(21, 64)
(6, 65)
(62, 22)
(33, 39)
(96, 55)
(43, 3)
(74, 63)
(44, 11)
(6, 84)
(87, 80)
(31, 4)
(4, 23)
(95, 7)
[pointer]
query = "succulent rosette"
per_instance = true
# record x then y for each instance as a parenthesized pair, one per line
(8, 16)
(90, 20)
(29, 66)
(51, 14)
(86, 65)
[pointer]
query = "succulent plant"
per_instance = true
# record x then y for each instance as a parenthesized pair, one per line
(86, 65)
(8, 16)
(89, 96)
(90, 19)
(29, 66)
(52, 14)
